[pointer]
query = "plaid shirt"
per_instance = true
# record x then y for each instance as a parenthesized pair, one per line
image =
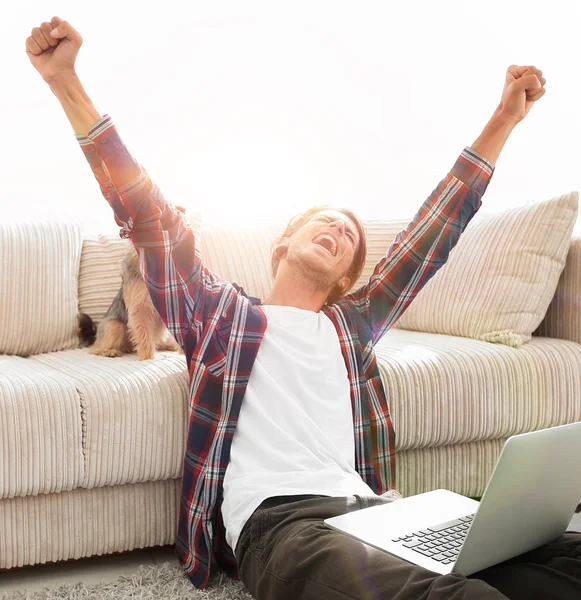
(220, 328)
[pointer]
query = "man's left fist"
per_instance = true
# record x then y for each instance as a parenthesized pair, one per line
(522, 88)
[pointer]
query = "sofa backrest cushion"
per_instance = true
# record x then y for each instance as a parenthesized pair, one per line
(100, 273)
(380, 235)
(100, 269)
(241, 254)
(501, 277)
(38, 279)
(563, 318)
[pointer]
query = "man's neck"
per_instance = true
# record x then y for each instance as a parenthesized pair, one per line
(300, 294)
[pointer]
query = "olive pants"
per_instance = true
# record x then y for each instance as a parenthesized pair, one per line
(286, 552)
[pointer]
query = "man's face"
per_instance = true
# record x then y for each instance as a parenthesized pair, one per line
(324, 247)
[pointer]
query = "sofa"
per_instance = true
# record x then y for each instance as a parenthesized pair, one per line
(91, 447)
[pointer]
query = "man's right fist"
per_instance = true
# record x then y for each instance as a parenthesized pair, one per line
(53, 47)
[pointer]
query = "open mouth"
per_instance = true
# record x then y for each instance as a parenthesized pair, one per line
(326, 242)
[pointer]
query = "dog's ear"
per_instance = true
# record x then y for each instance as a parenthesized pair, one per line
(181, 209)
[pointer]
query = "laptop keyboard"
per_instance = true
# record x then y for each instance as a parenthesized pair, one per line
(441, 542)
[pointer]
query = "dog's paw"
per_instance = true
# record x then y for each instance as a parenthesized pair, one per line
(110, 352)
(169, 346)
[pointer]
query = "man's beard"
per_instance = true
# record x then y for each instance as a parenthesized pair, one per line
(308, 268)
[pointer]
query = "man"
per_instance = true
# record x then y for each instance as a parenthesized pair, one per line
(288, 420)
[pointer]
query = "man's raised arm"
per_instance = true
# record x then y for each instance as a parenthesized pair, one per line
(180, 287)
(425, 245)
(52, 48)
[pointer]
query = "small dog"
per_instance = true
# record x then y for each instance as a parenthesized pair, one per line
(131, 322)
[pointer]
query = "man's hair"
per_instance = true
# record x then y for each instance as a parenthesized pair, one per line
(359, 257)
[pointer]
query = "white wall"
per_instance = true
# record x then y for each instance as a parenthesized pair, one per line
(250, 109)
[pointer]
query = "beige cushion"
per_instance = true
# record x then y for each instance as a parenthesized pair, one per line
(501, 277)
(461, 468)
(38, 279)
(563, 318)
(100, 274)
(446, 390)
(380, 235)
(80, 523)
(242, 254)
(134, 413)
(40, 429)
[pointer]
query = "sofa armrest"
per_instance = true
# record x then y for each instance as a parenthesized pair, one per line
(563, 318)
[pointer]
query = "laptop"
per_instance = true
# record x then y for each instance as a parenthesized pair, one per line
(528, 502)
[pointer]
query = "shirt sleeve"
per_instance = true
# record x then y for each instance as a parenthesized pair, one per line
(181, 288)
(424, 246)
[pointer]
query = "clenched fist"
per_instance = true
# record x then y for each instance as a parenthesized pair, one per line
(53, 47)
(522, 88)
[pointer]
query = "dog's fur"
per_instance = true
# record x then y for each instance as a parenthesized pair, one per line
(132, 322)
(86, 330)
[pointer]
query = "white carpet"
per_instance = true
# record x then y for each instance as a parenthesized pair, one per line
(166, 581)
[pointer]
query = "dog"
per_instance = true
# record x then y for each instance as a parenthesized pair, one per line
(131, 323)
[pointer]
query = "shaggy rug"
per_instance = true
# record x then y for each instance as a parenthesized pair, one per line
(166, 581)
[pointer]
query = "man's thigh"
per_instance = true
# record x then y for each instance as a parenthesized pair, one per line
(552, 571)
(290, 553)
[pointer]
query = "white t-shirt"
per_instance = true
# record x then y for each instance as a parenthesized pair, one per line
(295, 430)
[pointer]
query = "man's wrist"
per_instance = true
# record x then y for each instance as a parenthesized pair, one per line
(77, 105)
(64, 81)
(503, 119)
(494, 136)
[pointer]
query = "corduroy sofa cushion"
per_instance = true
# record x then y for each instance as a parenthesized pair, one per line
(38, 279)
(501, 277)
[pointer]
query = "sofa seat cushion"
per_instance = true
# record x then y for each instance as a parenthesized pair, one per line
(40, 429)
(446, 390)
(134, 414)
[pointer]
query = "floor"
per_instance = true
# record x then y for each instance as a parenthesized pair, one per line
(99, 569)
(104, 569)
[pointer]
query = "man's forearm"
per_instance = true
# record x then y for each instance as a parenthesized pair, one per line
(78, 107)
(493, 137)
